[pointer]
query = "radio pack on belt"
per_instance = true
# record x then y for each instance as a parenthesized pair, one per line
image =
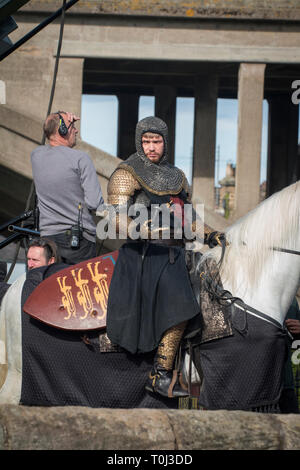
(76, 230)
(75, 236)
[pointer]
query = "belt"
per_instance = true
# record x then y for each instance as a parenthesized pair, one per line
(161, 241)
(170, 243)
(68, 233)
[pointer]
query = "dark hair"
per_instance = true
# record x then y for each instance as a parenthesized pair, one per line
(50, 248)
(52, 123)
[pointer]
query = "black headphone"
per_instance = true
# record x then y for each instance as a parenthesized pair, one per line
(62, 129)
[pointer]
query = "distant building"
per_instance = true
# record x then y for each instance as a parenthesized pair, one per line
(227, 191)
(263, 191)
(225, 195)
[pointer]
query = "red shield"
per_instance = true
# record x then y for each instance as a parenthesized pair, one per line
(74, 298)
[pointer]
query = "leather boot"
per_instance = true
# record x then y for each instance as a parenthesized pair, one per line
(163, 379)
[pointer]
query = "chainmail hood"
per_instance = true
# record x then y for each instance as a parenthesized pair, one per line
(159, 178)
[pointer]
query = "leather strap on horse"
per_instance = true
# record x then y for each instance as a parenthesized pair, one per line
(191, 361)
(225, 296)
(173, 382)
(263, 316)
(216, 291)
(177, 374)
(177, 377)
(285, 250)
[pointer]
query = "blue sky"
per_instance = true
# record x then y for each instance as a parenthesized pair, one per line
(99, 128)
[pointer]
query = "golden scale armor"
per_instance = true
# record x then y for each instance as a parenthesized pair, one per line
(121, 189)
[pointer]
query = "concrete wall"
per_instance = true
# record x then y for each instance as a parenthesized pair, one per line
(20, 134)
(28, 72)
(250, 9)
(79, 428)
(28, 75)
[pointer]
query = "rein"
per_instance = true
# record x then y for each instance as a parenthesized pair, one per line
(285, 250)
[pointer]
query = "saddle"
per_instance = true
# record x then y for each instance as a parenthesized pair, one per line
(215, 315)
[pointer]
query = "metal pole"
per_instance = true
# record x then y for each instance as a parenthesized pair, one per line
(11, 239)
(21, 217)
(25, 231)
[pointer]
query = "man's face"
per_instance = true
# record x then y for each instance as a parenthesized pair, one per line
(72, 132)
(36, 257)
(153, 146)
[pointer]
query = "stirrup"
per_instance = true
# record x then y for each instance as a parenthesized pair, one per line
(165, 383)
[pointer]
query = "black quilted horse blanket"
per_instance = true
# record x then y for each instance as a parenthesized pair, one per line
(59, 368)
(243, 371)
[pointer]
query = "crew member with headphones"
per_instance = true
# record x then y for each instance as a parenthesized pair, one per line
(68, 190)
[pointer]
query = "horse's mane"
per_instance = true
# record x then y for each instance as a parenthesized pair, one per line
(273, 223)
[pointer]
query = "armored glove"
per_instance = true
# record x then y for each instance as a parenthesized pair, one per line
(213, 239)
(148, 231)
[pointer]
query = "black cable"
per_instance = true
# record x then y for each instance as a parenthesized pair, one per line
(32, 192)
(62, 24)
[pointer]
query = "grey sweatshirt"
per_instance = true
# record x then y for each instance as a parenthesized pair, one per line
(63, 178)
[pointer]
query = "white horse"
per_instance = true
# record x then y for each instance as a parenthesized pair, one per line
(259, 266)
(11, 344)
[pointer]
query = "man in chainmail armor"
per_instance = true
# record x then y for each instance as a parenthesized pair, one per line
(151, 298)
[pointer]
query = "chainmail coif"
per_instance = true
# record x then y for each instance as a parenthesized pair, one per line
(162, 177)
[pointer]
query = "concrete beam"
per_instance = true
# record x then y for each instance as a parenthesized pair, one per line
(228, 9)
(181, 51)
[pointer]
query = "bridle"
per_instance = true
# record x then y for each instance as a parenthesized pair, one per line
(285, 250)
(223, 243)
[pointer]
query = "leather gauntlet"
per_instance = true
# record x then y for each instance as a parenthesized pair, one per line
(121, 188)
(213, 239)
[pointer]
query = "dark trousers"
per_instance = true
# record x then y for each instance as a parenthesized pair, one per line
(85, 251)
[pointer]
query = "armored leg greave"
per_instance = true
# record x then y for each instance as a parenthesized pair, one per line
(163, 379)
(168, 346)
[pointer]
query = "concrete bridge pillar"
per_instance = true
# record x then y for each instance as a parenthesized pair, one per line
(2, 92)
(250, 98)
(206, 93)
(165, 108)
(283, 160)
(127, 119)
